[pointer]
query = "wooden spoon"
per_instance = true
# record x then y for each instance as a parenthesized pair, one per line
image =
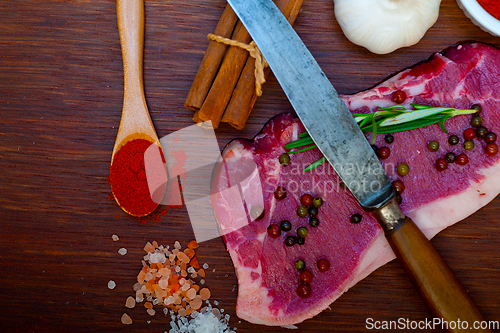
(135, 121)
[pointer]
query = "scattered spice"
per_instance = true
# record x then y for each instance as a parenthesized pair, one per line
(469, 145)
(284, 159)
(490, 137)
(305, 276)
(450, 157)
(290, 240)
(313, 222)
(280, 193)
(126, 319)
(306, 199)
(323, 264)
(481, 132)
(399, 186)
(491, 149)
(441, 164)
(274, 231)
(476, 120)
(130, 302)
(167, 279)
(403, 169)
(384, 152)
(300, 264)
(389, 138)
(462, 159)
(285, 225)
(317, 202)
(303, 290)
(469, 134)
(433, 145)
(302, 211)
(356, 218)
(399, 96)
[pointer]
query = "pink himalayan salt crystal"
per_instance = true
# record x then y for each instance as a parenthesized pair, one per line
(126, 319)
(130, 302)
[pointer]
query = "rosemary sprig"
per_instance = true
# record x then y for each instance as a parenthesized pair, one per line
(391, 119)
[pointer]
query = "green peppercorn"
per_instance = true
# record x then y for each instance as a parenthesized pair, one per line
(453, 140)
(476, 107)
(284, 159)
(403, 169)
(302, 211)
(302, 232)
(342, 185)
(285, 225)
(375, 149)
(389, 138)
(300, 264)
(290, 240)
(469, 145)
(433, 146)
(476, 120)
(301, 240)
(317, 202)
(356, 218)
(450, 157)
(313, 211)
(313, 222)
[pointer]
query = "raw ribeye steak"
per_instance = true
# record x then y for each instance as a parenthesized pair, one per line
(250, 172)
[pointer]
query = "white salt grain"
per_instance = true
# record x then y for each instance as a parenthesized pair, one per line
(122, 251)
(111, 284)
(203, 321)
(177, 245)
(115, 238)
(205, 266)
(157, 257)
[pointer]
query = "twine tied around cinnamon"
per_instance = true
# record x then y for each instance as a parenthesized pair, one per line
(254, 52)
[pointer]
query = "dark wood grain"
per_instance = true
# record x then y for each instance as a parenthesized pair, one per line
(61, 95)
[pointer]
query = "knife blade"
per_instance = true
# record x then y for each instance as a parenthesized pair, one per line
(333, 129)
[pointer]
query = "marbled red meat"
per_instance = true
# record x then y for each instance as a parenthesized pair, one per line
(458, 77)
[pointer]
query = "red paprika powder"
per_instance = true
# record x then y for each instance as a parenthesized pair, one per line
(128, 179)
(492, 7)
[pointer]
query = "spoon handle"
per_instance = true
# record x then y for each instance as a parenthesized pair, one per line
(130, 14)
(136, 121)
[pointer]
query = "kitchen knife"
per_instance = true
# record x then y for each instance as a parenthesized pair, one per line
(333, 129)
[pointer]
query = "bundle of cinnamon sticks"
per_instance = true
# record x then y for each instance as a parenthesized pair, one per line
(224, 86)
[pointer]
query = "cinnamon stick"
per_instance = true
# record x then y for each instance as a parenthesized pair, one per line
(211, 61)
(244, 96)
(229, 72)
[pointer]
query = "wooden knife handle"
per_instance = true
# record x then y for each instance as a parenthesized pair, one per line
(432, 277)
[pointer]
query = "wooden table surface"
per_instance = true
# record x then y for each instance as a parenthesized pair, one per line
(61, 90)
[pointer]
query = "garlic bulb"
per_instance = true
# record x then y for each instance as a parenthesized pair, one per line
(383, 26)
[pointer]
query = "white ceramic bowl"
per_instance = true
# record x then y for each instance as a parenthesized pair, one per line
(479, 16)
